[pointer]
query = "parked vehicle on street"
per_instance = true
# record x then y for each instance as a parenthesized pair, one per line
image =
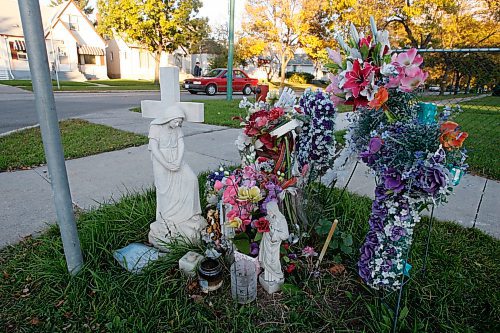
(434, 88)
(216, 81)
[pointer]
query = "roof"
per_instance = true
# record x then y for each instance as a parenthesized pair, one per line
(301, 59)
(10, 19)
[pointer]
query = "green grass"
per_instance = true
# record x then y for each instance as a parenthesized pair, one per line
(90, 85)
(458, 97)
(295, 86)
(481, 119)
(79, 138)
(218, 112)
(459, 293)
(123, 82)
(26, 84)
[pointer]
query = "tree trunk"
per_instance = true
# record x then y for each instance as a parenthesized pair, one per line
(469, 79)
(284, 62)
(157, 56)
(157, 68)
(457, 83)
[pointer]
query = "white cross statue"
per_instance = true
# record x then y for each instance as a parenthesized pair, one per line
(170, 99)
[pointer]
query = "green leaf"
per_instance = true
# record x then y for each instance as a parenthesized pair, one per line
(242, 243)
(258, 237)
(348, 240)
(345, 249)
(290, 288)
(403, 314)
(286, 259)
(323, 227)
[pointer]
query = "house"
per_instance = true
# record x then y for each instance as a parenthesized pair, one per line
(74, 48)
(128, 60)
(302, 63)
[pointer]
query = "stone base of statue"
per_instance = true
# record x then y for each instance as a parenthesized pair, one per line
(271, 286)
(162, 233)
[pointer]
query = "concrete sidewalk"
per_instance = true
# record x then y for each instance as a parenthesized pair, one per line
(26, 198)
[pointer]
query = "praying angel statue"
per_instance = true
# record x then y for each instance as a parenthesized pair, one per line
(178, 210)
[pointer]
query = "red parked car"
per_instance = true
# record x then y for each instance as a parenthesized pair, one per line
(216, 81)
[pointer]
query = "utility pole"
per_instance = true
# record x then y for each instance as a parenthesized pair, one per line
(49, 126)
(229, 96)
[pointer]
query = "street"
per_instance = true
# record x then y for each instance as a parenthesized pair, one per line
(17, 107)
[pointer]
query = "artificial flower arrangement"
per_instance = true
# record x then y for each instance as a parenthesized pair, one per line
(281, 144)
(416, 155)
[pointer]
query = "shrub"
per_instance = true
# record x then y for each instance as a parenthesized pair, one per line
(299, 77)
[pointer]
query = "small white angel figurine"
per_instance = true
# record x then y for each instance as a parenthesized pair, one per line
(269, 256)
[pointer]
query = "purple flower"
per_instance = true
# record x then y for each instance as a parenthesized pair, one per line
(254, 249)
(380, 193)
(397, 233)
(431, 180)
(373, 148)
(387, 265)
(392, 180)
(292, 256)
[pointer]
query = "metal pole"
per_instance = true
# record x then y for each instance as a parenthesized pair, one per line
(229, 95)
(49, 126)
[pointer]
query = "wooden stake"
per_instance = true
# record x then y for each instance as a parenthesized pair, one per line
(327, 242)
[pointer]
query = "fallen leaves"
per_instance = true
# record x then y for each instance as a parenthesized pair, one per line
(337, 269)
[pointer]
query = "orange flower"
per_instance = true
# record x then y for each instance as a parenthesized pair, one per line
(451, 137)
(381, 96)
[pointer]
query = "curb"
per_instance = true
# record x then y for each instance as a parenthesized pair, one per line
(18, 130)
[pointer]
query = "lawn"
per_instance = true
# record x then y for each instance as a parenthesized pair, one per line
(37, 294)
(218, 112)
(481, 119)
(458, 97)
(117, 84)
(80, 138)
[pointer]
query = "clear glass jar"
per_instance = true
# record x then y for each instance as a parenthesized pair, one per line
(243, 281)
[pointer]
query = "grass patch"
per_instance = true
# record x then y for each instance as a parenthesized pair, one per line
(79, 138)
(296, 86)
(451, 97)
(37, 294)
(123, 82)
(481, 119)
(90, 85)
(218, 112)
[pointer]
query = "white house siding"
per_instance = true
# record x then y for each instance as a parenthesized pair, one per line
(62, 39)
(84, 34)
(129, 61)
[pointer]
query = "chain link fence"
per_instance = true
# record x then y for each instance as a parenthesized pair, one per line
(469, 78)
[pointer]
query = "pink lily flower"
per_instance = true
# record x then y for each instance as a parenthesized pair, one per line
(409, 83)
(336, 94)
(358, 78)
(407, 58)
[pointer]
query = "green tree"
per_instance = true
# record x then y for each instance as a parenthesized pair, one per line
(82, 4)
(157, 25)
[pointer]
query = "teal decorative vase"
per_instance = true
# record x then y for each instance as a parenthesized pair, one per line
(456, 175)
(427, 113)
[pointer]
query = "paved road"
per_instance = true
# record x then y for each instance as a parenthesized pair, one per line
(17, 107)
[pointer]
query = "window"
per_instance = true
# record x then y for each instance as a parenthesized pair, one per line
(294, 68)
(87, 59)
(73, 22)
(111, 56)
(18, 50)
(239, 75)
